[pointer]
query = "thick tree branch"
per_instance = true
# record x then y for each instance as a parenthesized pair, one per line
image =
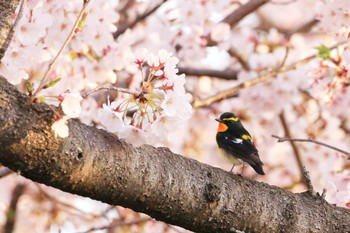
(96, 164)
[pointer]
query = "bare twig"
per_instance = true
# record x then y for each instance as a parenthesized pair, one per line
(8, 40)
(111, 88)
(302, 29)
(232, 91)
(294, 147)
(69, 38)
(223, 74)
(324, 192)
(244, 10)
(285, 57)
(118, 224)
(11, 212)
(122, 28)
(243, 61)
(283, 139)
(304, 173)
(310, 187)
(224, 94)
(5, 172)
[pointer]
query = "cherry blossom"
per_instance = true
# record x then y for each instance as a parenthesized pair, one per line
(60, 127)
(71, 105)
(161, 102)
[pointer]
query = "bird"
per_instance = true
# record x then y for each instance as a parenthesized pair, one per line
(236, 144)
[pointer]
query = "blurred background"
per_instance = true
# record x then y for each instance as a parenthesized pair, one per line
(284, 62)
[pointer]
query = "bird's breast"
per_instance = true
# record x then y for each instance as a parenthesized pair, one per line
(231, 158)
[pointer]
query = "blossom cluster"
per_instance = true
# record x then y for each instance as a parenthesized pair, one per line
(89, 59)
(159, 105)
(334, 17)
(330, 77)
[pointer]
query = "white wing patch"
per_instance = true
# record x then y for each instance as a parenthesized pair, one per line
(235, 140)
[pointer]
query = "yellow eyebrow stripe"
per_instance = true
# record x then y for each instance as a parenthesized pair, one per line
(246, 137)
(230, 119)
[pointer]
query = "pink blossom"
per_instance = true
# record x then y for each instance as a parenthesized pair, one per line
(71, 105)
(60, 127)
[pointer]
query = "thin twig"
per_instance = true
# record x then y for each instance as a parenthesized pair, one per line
(283, 139)
(243, 61)
(285, 57)
(122, 28)
(294, 147)
(232, 91)
(302, 29)
(244, 10)
(118, 224)
(222, 74)
(11, 212)
(111, 88)
(237, 15)
(324, 192)
(8, 40)
(310, 187)
(69, 38)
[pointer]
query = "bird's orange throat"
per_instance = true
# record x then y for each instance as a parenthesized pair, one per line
(222, 127)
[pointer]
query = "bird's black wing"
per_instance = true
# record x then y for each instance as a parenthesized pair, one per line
(242, 149)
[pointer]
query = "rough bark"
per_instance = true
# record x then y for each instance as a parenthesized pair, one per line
(169, 187)
(7, 13)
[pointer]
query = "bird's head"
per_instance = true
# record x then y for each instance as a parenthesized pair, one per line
(228, 120)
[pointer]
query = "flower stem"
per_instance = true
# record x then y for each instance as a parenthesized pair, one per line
(69, 38)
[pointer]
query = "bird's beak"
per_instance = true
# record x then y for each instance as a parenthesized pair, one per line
(217, 119)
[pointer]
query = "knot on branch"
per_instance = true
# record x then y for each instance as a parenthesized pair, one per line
(212, 192)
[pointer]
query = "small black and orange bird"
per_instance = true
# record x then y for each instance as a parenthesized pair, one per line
(236, 144)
